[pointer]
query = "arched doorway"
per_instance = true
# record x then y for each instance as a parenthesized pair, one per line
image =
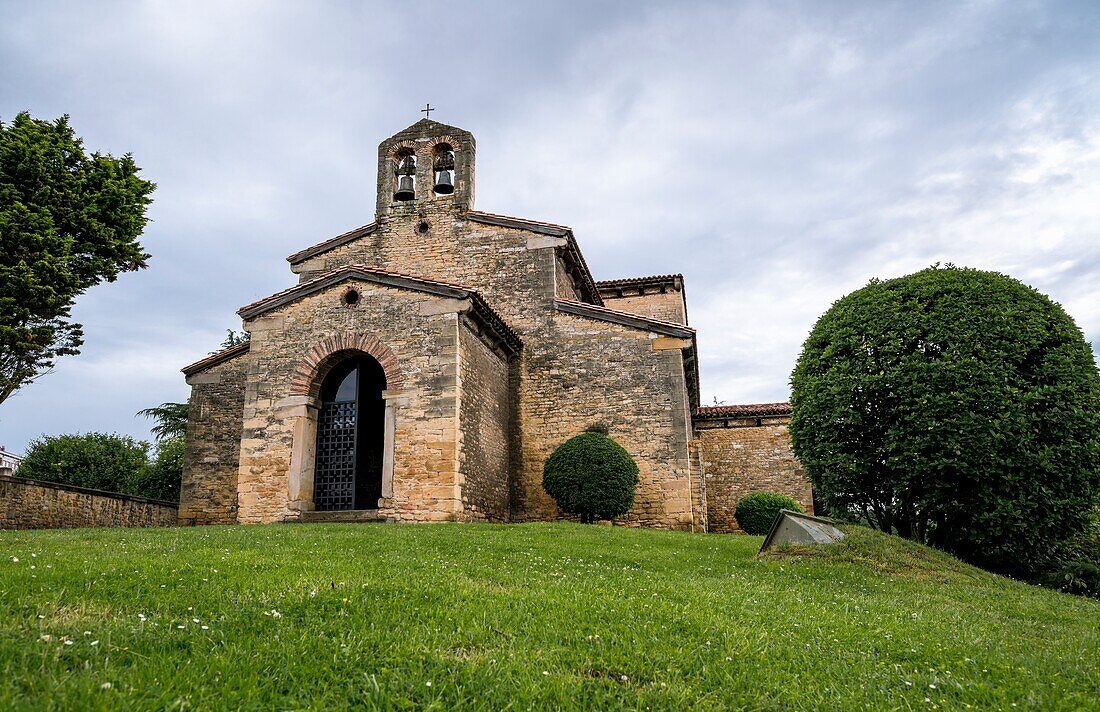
(350, 436)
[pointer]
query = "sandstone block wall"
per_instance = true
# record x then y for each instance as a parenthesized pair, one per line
(212, 449)
(572, 371)
(30, 504)
(486, 412)
(656, 304)
(421, 333)
(564, 288)
(584, 371)
(517, 281)
(741, 456)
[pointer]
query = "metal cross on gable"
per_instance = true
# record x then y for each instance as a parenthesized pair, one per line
(427, 110)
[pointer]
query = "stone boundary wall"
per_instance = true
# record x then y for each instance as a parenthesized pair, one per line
(31, 504)
(744, 455)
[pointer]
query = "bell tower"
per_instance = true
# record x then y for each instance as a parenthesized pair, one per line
(429, 165)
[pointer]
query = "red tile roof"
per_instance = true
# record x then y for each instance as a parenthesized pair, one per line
(215, 358)
(752, 410)
(331, 243)
(640, 281)
(488, 315)
(626, 318)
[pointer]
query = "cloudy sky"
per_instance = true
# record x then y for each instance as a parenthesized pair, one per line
(778, 154)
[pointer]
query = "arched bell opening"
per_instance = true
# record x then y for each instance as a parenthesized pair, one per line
(443, 169)
(351, 426)
(405, 175)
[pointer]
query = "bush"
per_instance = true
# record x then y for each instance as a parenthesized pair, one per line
(956, 407)
(1078, 577)
(592, 476)
(94, 460)
(755, 513)
(160, 478)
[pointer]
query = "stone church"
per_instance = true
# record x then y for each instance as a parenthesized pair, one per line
(426, 364)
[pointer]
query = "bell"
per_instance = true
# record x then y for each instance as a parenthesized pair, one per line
(443, 184)
(405, 190)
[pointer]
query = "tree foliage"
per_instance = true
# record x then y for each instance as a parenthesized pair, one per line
(108, 462)
(956, 407)
(161, 476)
(755, 513)
(232, 338)
(100, 461)
(68, 220)
(592, 476)
(170, 420)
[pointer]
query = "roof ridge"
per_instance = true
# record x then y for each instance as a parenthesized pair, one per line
(744, 410)
(216, 357)
(481, 305)
(332, 242)
(543, 223)
(638, 280)
(618, 312)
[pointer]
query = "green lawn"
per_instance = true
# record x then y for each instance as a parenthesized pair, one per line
(535, 615)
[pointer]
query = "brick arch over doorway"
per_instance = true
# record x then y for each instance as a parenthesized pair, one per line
(317, 362)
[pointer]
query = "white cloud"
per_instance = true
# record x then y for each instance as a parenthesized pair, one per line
(779, 155)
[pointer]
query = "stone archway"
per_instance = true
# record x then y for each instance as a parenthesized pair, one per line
(305, 387)
(317, 362)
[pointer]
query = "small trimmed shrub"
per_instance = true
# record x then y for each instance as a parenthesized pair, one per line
(591, 476)
(756, 512)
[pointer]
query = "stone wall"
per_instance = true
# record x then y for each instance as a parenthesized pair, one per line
(658, 297)
(484, 437)
(744, 455)
(513, 269)
(564, 288)
(212, 449)
(572, 371)
(420, 335)
(30, 504)
(655, 304)
(585, 371)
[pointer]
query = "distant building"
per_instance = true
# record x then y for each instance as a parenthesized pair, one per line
(8, 461)
(426, 365)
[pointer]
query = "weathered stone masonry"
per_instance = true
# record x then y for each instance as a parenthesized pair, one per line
(30, 504)
(746, 449)
(497, 346)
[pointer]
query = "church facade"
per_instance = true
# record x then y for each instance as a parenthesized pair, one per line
(425, 365)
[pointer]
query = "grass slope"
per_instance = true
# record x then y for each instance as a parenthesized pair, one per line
(548, 615)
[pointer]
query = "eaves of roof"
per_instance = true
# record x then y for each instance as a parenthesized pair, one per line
(657, 280)
(331, 243)
(572, 254)
(215, 358)
(752, 410)
(636, 321)
(481, 309)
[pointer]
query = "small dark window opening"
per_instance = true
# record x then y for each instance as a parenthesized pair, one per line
(350, 436)
(350, 298)
(423, 227)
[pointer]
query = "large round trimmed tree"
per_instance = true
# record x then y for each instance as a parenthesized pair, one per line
(592, 476)
(956, 407)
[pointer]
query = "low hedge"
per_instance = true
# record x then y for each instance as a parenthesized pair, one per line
(756, 512)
